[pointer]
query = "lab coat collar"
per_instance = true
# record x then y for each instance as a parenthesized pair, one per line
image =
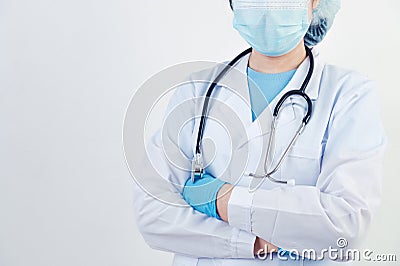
(312, 89)
(238, 95)
(238, 90)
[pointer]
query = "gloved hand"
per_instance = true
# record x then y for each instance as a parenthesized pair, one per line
(202, 194)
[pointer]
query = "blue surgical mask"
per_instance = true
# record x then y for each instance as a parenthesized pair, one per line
(271, 27)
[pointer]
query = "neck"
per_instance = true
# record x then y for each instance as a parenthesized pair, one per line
(271, 65)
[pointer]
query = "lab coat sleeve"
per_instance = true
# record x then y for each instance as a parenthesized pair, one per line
(346, 195)
(164, 219)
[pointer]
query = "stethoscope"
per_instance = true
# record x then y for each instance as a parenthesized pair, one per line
(198, 165)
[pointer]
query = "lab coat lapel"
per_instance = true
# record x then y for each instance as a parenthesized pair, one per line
(289, 114)
(232, 104)
(235, 94)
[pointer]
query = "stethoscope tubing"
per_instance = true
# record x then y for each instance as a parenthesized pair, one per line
(208, 96)
(198, 163)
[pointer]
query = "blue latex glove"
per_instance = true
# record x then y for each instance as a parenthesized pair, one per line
(202, 193)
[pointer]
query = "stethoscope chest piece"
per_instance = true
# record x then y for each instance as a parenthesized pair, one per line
(197, 167)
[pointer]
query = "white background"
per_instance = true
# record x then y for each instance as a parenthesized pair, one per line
(67, 71)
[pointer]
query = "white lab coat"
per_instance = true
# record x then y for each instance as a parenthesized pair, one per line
(336, 162)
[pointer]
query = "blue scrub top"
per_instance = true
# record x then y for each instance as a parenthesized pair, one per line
(263, 88)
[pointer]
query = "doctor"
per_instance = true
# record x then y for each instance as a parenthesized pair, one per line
(227, 217)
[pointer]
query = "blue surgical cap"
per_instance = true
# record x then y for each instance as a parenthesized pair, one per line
(322, 21)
